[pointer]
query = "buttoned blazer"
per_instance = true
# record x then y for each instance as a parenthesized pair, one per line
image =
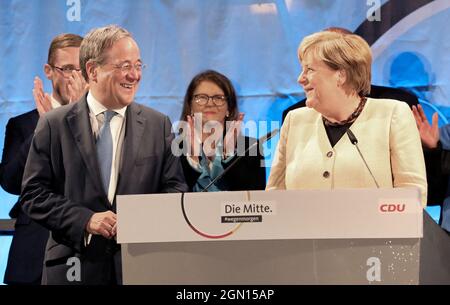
(387, 137)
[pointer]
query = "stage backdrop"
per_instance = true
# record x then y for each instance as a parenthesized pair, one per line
(254, 42)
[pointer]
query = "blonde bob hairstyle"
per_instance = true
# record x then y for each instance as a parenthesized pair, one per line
(347, 52)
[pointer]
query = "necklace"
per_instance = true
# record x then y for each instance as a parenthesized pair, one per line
(351, 118)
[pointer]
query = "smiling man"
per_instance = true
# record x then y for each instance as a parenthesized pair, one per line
(85, 154)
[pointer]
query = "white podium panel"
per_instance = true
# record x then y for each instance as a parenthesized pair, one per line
(358, 236)
(255, 215)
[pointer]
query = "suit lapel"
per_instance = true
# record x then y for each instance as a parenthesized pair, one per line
(134, 130)
(80, 127)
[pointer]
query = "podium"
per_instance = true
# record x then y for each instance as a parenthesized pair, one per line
(357, 236)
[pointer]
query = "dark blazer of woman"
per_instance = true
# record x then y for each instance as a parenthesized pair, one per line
(248, 173)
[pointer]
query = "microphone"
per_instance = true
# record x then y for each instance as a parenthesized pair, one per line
(354, 141)
(261, 140)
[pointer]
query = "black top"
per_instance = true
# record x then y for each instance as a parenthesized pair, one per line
(335, 133)
(437, 162)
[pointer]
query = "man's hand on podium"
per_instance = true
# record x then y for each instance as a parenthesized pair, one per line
(103, 223)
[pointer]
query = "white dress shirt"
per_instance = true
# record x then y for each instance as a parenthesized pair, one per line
(55, 103)
(96, 117)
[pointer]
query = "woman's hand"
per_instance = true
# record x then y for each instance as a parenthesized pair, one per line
(429, 134)
(230, 140)
(194, 138)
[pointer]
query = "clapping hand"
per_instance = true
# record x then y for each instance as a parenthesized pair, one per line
(194, 138)
(42, 100)
(76, 86)
(229, 143)
(429, 134)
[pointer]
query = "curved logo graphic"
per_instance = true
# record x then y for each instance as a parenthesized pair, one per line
(204, 234)
(403, 16)
(408, 22)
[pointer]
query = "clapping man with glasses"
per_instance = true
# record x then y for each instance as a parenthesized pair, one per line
(86, 153)
(63, 70)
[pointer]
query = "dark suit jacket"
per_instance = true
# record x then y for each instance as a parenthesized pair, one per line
(248, 173)
(437, 162)
(375, 92)
(26, 254)
(62, 187)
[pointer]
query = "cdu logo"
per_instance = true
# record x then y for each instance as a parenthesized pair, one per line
(392, 208)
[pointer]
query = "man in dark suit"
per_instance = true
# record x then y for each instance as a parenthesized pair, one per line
(83, 154)
(375, 92)
(26, 254)
(436, 148)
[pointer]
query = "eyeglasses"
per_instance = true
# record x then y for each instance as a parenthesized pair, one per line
(203, 99)
(126, 67)
(66, 70)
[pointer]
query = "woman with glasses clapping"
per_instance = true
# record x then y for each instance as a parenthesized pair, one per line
(211, 138)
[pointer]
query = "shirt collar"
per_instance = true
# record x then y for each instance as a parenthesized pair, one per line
(96, 107)
(54, 102)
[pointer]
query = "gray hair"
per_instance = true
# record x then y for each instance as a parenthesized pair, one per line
(97, 42)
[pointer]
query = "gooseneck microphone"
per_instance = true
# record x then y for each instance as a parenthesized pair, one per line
(261, 140)
(354, 141)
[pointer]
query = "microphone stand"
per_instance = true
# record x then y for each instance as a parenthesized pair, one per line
(354, 141)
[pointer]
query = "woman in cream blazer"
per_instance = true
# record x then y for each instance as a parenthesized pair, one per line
(315, 150)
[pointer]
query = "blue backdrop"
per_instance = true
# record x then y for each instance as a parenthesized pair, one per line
(254, 42)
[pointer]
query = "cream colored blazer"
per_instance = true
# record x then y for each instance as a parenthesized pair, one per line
(387, 137)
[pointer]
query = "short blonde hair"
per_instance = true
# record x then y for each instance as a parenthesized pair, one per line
(66, 40)
(338, 51)
(97, 42)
